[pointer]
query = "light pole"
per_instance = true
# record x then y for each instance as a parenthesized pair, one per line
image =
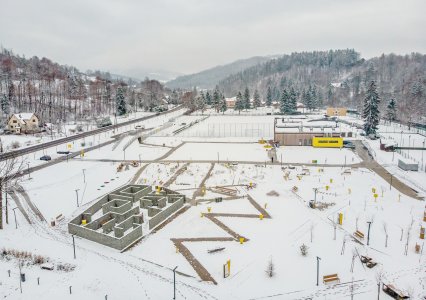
(368, 235)
(76, 193)
(390, 185)
(423, 150)
(73, 244)
(14, 213)
(84, 175)
(29, 173)
(318, 259)
(409, 137)
(174, 283)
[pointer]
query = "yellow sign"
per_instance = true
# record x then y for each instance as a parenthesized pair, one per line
(81, 153)
(209, 209)
(261, 216)
(241, 240)
(375, 195)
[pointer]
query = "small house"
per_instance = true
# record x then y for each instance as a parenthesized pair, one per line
(23, 123)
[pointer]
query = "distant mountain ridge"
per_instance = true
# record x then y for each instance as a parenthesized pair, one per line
(207, 79)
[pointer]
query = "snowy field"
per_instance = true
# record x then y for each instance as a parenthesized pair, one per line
(145, 270)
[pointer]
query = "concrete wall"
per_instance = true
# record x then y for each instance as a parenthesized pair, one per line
(164, 214)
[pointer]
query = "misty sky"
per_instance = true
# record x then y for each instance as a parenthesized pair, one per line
(185, 36)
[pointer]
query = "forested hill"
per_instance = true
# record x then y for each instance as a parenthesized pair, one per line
(59, 92)
(207, 79)
(339, 77)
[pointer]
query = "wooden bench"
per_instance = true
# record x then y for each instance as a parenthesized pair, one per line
(359, 234)
(365, 259)
(330, 278)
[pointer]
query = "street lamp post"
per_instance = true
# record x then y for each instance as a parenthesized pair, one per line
(76, 193)
(14, 213)
(174, 283)
(368, 235)
(390, 185)
(318, 259)
(409, 137)
(29, 173)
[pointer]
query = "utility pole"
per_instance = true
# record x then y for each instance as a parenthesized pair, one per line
(174, 283)
(76, 193)
(29, 173)
(73, 245)
(20, 276)
(14, 213)
(318, 259)
(390, 185)
(368, 235)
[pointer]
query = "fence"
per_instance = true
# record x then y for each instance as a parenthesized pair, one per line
(257, 130)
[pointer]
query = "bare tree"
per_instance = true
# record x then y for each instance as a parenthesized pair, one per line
(379, 279)
(10, 175)
(270, 270)
(385, 229)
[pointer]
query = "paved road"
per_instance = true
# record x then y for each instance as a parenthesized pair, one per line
(64, 140)
(370, 163)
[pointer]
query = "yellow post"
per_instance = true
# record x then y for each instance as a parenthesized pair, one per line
(229, 266)
(340, 218)
(177, 249)
(202, 215)
(241, 240)
(203, 190)
(349, 190)
(399, 198)
(261, 216)
(83, 222)
(375, 197)
(251, 184)
(209, 209)
(373, 190)
(331, 180)
(327, 187)
(81, 153)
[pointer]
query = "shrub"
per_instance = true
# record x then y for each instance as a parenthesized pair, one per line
(304, 250)
(15, 144)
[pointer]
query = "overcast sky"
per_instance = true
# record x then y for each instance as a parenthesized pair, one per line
(186, 36)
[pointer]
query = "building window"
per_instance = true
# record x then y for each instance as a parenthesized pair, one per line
(14, 121)
(34, 120)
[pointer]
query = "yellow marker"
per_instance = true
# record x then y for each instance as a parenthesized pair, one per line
(82, 153)
(209, 209)
(375, 197)
(83, 222)
(327, 187)
(177, 249)
(241, 240)
(202, 215)
(373, 190)
(349, 191)
(331, 180)
(340, 218)
(261, 216)
(251, 184)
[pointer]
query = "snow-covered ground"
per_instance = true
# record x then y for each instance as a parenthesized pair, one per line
(145, 270)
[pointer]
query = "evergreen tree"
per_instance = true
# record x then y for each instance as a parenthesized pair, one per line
(223, 106)
(246, 98)
(285, 107)
(391, 110)
(293, 99)
(208, 99)
(256, 99)
(216, 99)
(239, 104)
(120, 102)
(370, 112)
(5, 106)
(269, 97)
(201, 103)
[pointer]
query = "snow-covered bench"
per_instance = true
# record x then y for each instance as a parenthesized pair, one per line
(359, 234)
(331, 278)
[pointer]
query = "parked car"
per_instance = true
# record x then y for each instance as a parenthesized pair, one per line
(46, 157)
(139, 127)
(63, 152)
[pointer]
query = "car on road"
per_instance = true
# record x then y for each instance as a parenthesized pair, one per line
(63, 152)
(46, 157)
(140, 127)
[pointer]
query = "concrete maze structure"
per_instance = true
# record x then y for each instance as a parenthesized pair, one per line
(116, 219)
